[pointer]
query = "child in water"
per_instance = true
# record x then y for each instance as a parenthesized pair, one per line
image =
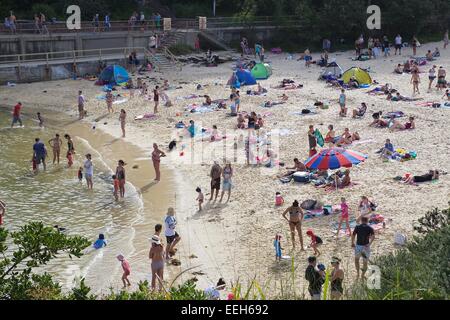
(100, 242)
(126, 270)
(315, 242)
(69, 158)
(116, 187)
(200, 198)
(278, 248)
(41, 121)
(278, 199)
(80, 174)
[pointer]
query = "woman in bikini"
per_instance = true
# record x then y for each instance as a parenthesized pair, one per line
(55, 143)
(156, 158)
(295, 222)
(415, 80)
(120, 174)
(348, 138)
(407, 126)
(156, 254)
(122, 118)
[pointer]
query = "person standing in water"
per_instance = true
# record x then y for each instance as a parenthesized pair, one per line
(122, 119)
(55, 144)
(39, 154)
(88, 171)
(295, 222)
(120, 175)
(40, 119)
(156, 158)
(70, 149)
(16, 115)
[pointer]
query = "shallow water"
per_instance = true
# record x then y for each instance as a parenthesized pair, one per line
(56, 197)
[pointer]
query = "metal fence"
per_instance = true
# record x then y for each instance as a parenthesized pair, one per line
(29, 27)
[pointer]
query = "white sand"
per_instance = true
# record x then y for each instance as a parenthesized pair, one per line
(235, 240)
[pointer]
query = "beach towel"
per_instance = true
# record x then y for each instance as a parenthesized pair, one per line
(147, 116)
(395, 114)
(191, 96)
(120, 101)
(319, 138)
(319, 213)
(304, 112)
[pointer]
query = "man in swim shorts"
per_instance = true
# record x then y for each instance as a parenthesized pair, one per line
(215, 174)
(172, 237)
(365, 235)
(39, 153)
(16, 115)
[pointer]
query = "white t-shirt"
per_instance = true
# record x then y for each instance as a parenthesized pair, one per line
(398, 40)
(88, 167)
(169, 225)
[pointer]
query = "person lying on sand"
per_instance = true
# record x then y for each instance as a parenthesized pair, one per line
(399, 97)
(430, 176)
(284, 97)
(347, 137)
(261, 90)
(398, 69)
(357, 113)
(269, 104)
(407, 126)
(377, 121)
(381, 90)
(298, 166)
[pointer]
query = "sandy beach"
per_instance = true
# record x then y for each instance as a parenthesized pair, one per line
(234, 240)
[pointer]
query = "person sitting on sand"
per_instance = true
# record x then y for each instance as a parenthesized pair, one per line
(345, 181)
(399, 69)
(447, 95)
(360, 111)
(407, 67)
(284, 97)
(436, 53)
(298, 166)
(240, 121)
(430, 176)
(261, 90)
(388, 150)
(347, 137)
(407, 126)
(208, 100)
(429, 56)
(353, 83)
(377, 121)
(330, 136)
(341, 183)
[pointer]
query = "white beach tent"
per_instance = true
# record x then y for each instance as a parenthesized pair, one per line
(332, 69)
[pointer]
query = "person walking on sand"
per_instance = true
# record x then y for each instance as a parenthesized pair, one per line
(122, 120)
(446, 39)
(365, 235)
(431, 77)
(415, 80)
(172, 237)
(398, 45)
(120, 175)
(39, 153)
(337, 277)
(227, 173)
(344, 217)
(215, 174)
(156, 158)
(81, 101)
(295, 222)
(55, 144)
(88, 171)
(16, 115)
(109, 101)
(156, 99)
(126, 270)
(156, 255)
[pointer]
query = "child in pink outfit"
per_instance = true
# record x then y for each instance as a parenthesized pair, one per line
(344, 217)
(126, 270)
(278, 199)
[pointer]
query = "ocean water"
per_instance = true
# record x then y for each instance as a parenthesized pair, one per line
(56, 197)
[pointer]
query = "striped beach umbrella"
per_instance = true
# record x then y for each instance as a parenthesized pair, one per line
(334, 158)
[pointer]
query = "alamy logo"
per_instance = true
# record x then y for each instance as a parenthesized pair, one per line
(73, 22)
(374, 20)
(374, 278)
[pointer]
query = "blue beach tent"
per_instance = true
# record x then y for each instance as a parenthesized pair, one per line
(245, 77)
(114, 75)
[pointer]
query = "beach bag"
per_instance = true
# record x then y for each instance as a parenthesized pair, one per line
(306, 111)
(400, 239)
(308, 204)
